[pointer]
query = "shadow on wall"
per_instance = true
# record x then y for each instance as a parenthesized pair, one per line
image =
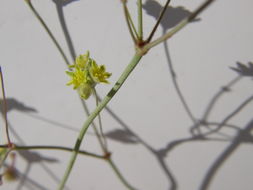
(172, 17)
(59, 8)
(13, 104)
(125, 135)
(214, 131)
(31, 157)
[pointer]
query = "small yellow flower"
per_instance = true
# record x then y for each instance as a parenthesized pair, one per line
(98, 73)
(86, 75)
(78, 77)
(81, 61)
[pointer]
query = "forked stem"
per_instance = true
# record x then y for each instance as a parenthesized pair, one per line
(130, 24)
(179, 26)
(135, 60)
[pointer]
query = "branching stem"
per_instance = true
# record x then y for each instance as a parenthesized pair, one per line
(41, 147)
(93, 115)
(178, 27)
(130, 24)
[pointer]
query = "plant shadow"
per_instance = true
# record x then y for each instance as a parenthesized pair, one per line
(213, 131)
(127, 136)
(172, 16)
(59, 8)
(30, 157)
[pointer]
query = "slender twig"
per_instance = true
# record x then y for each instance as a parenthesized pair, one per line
(5, 108)
(135, 60)
(178, 27)
(117, 172)
(45, 147)
(42, 22)
(130, 24)
(158, 22)
(100, 125)
(5, 157)
(119, 83)
(94, 127)
(131, 21)
(102, 145)
(140, 22)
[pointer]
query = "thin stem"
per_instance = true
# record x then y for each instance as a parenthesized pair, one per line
(129, 22)
(94, 127)
(135, 60)
(59, 49)
(41, 147)
(179, 26)
(158, 22)
(100, 125)
(130, 26)
(5, 108)
(140, 21)
(42, 22)
(100, 140)
(120, 176)
(5, 156)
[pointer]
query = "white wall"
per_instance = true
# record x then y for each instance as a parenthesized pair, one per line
(162, 153)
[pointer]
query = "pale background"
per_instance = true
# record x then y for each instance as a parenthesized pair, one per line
(150, 133)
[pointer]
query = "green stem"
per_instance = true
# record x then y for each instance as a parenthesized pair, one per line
(41, 147)
(179, 26)
(60, 51)
(101, 126)
(5, 157)
(48, 31)
(99, 138)
(94, 127)
(131, 21)
(158, 22)
(117, 172)
(140, 24)
(130, 24)
(135, 60)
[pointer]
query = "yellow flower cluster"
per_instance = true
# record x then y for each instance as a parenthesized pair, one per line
(86, 74)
